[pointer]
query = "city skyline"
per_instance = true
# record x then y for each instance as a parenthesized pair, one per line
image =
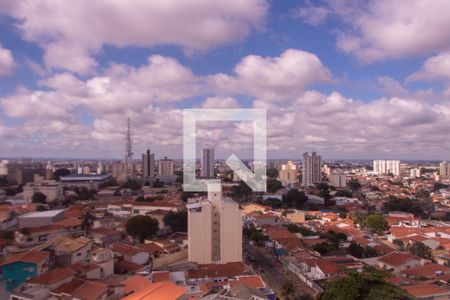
(329, 82)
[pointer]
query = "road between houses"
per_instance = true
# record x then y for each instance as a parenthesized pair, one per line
(274, 273)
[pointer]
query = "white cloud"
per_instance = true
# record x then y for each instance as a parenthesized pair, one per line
(220, 102)
(273, 78)
(6, 62)
(384, 29)
(435, 67)
(72, 34)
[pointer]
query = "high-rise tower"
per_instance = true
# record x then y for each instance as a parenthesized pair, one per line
(207, 162)
(129, 154)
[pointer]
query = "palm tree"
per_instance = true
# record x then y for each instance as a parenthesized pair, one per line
(288, 290)
(87, 220)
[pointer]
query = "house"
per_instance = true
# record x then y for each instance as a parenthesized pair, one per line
(21, 267)
(134, 284)
(399, 261)
(67, 250)
(427, 291)
(427, 271)
(86, 290)
(38, 235)
(105, 237)
(103, 258)
(328, 267)
(160, 290)
(53, 279)
(87, 270)
(131, 253)
(40, 218)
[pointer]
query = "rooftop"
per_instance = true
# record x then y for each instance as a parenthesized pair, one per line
(43, 214)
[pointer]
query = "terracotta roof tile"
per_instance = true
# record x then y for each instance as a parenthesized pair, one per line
(157, 291)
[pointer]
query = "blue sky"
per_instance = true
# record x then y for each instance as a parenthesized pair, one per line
(373, 81)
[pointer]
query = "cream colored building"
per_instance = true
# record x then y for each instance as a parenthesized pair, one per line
(288, 174)
(50, 188)
(214, 230)
(297, 216)
(338, 180)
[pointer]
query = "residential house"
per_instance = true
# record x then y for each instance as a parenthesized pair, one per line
(21, 267)
(105, 237)
(399, 261)
(131, 253)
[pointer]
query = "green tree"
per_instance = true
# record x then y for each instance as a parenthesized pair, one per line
(273, 185)
(420, 249)
(141, 227)
(241, 190)
(272, 173)
(356, 286)
(41, 207)
(376, 223)
(176, 220)
(39, 197)
(354, 185)
(87, 221)
(295, 199)
(288, 289)
(60, 172)
(355, 250)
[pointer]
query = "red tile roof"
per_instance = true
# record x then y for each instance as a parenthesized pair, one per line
(425, 290)
(397, 258)
(157, 291)
(53, 276)
(32, 256)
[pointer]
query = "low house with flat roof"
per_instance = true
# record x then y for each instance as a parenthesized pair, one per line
(89, 181)
(40, 218)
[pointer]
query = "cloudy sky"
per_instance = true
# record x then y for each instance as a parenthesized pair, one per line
(348, 79)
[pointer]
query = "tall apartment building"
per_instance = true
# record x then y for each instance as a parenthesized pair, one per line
(3, 168)
(50, 188)
(214, 230)
(338, 180)
(287, 174)
(165, 167)
(311, 169)
(384, 167)
(444, 169)
(207, 163)
(415, 172)
(148, 167)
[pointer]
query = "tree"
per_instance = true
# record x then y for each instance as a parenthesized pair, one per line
(141, 227)
(273, 185)
(176, 220)
(60, 172)
(110, 183)
(87, 221)
(376, 223)
(41, 207)
(295, 199)
(158, 183)
(355, 250)
(354, 185)
(288, 290)
(241, 190)
(355, 286)
(272, 173)
(274, 203)
(343, 193)
(420, 249)
(39, 197)
(132, 184)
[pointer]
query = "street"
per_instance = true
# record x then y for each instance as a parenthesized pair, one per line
(274, 273)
